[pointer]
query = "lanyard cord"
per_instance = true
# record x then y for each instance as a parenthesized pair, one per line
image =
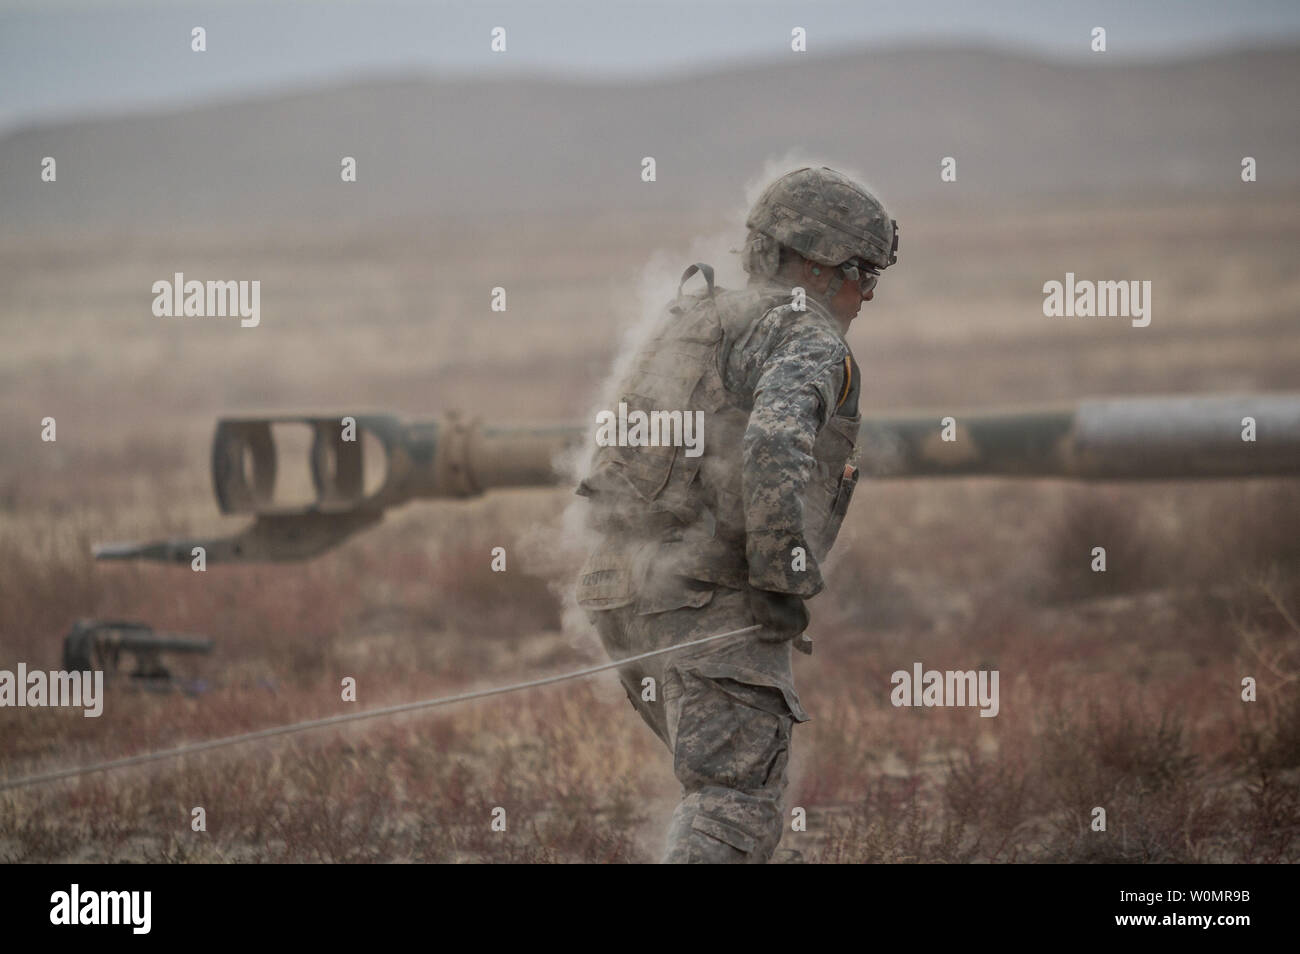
(23, 782)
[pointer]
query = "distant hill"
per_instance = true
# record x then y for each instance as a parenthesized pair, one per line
(465, 148)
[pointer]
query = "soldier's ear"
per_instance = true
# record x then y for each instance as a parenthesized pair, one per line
(813, 275)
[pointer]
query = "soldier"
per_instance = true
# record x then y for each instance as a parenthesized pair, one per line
(693, 546)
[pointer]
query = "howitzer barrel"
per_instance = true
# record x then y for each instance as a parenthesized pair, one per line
(1248, 435)
(1099, 439)
(450, 457)
(470, 458)
(1119, 438)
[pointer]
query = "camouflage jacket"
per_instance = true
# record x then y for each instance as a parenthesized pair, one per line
(762, 504)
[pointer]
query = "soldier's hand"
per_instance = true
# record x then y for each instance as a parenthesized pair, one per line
(782, 615)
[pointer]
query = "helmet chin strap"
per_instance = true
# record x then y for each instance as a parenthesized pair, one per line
(833, 287)
(836, 283)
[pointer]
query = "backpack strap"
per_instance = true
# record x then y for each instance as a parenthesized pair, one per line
(739, 312)
(705, 270)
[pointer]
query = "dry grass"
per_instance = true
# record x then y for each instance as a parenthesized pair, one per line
(1125, 702)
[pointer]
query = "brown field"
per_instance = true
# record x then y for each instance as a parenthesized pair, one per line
(1118, 689)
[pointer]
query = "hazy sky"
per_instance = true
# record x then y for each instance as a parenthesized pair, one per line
(62, 58)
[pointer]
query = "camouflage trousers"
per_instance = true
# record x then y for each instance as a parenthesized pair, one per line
(725, 711)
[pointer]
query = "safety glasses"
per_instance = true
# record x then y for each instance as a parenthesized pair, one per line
(857, 271)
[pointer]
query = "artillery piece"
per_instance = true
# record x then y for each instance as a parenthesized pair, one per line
(1151, 438)
(94, 644)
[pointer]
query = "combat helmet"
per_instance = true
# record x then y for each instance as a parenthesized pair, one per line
(827, 218)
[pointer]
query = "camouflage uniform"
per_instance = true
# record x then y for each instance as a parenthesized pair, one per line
(683, 540)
